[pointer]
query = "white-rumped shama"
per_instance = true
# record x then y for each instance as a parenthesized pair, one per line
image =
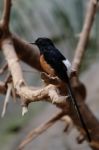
(54, 63)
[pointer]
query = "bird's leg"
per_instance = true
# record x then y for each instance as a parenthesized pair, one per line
(49, 79)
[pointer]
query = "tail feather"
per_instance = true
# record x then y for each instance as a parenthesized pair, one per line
(77, 109)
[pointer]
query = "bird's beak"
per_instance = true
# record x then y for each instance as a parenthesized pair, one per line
(32, 43)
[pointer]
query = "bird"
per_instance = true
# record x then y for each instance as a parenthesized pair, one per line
(53, 62)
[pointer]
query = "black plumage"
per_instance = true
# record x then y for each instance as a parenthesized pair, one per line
(55, 59)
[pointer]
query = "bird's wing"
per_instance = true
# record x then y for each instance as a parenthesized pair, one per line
(55, 59)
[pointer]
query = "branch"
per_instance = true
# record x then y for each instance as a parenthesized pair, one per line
(39, 130)
(26, 93)
(4, 68)
(6, 14)
(13, 62)
(7, 98)
(30, 54)
(83, 41)
(49, 93)
(25, 51)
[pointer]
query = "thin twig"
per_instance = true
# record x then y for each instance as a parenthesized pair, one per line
(4, 68)
(6, 99)
(83, 41)
(39, 130)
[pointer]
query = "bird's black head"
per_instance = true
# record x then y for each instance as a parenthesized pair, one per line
(44, 43)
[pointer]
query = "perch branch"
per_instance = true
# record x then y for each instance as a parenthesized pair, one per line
(39, 130)
(46, 93)
(25, 51)
(50, 80)
(23, 91)
(30, 95)
(83, 41)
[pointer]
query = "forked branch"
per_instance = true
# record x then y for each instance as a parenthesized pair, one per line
(14, 49)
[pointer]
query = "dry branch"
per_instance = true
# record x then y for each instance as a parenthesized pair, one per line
(15, 49)
(6, 14)
(84, 36)
(39, 130)
(13, 62)
(27, 94)
(25, 51)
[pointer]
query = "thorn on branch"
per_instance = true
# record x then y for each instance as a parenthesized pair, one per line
(24, 110)
(80, 139)
(68, 123)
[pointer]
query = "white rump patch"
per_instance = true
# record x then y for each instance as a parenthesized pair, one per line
(68, 65)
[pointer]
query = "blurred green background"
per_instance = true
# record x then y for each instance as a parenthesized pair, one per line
(60, 20)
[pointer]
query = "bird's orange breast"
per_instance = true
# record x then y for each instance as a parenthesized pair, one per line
(46, 67)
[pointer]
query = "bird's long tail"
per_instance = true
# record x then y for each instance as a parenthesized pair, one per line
(77, 109)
